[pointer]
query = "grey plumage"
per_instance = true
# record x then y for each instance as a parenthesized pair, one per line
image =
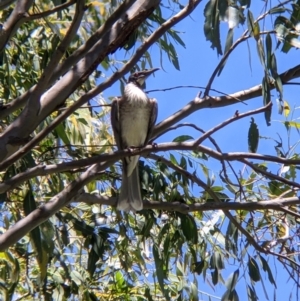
(133, 117)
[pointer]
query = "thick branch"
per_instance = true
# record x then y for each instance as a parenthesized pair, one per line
(112, 39)
(49, 12)
(276, 204)
(94, 92)
(44, 212)
(15, 20)
(221, 101)
(5, 3)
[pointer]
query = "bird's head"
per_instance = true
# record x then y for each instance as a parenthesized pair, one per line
(139, 77)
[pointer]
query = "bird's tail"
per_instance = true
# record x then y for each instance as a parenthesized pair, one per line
(130, 196)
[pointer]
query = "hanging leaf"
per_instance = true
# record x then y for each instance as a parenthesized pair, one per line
(253, 269)
(229, 42)
(212, 25)
(267, 269)
(159, 266)
(35, 235)
(251, 293)
(194, 292)
(253, 136)
(286, 109)
(233, 16)
(282, 26)
(232, 280)
(268, 50)
(189, 228)
(250, 22)
(199, 267)
(215, 276)
(230, 296)
(266, 93)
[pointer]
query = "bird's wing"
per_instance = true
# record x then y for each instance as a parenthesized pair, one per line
(115, 122)
(152, 120)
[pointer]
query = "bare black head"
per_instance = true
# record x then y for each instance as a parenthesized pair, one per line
(139, 77)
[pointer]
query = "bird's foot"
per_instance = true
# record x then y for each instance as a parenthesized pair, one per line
(132, 149)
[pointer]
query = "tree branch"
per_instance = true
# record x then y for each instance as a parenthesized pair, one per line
(15, 20)
(50, 11)
(112, 40)
(5, 3)
(220, 101)
(277, 204)
(44, 212)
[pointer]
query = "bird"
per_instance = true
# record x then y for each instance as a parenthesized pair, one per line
(133, 117)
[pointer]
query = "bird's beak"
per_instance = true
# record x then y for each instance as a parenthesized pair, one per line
(148, 72)
(143, 75)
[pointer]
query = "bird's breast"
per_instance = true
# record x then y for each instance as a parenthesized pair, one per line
(134, 119)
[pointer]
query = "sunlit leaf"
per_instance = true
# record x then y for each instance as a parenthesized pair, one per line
(232, 280)
(286, 108)
(194, 292)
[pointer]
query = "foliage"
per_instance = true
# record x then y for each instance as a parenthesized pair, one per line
(61, 236)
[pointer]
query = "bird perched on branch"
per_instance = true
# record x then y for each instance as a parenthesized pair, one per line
(133, 117)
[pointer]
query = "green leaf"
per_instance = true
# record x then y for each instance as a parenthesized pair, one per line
(219, 260)
(250, 22)
(176, 37)
(61, 133)
(251, 293)
(159, 266)
(173, 159)
(266, 93)
(232, 280)
(173, 56)
(292, 124)
(212, 25)
(268, 50)
(215, 276)
(92, 260)
(145, 232)
(282, 26)
(229, 42)
(267, 269)
(189, 228)
(58, 293)
(194, 292)
(230, 296)
(76, 277)
(120, 281)
(29, 205)
(216, 261)
(253, 136)
(253, 269)
(183, 138)
(277, 10)
(199, 266)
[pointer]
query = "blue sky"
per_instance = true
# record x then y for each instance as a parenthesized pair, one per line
(197, 62)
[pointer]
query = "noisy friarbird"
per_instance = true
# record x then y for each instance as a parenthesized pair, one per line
(133, 117)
